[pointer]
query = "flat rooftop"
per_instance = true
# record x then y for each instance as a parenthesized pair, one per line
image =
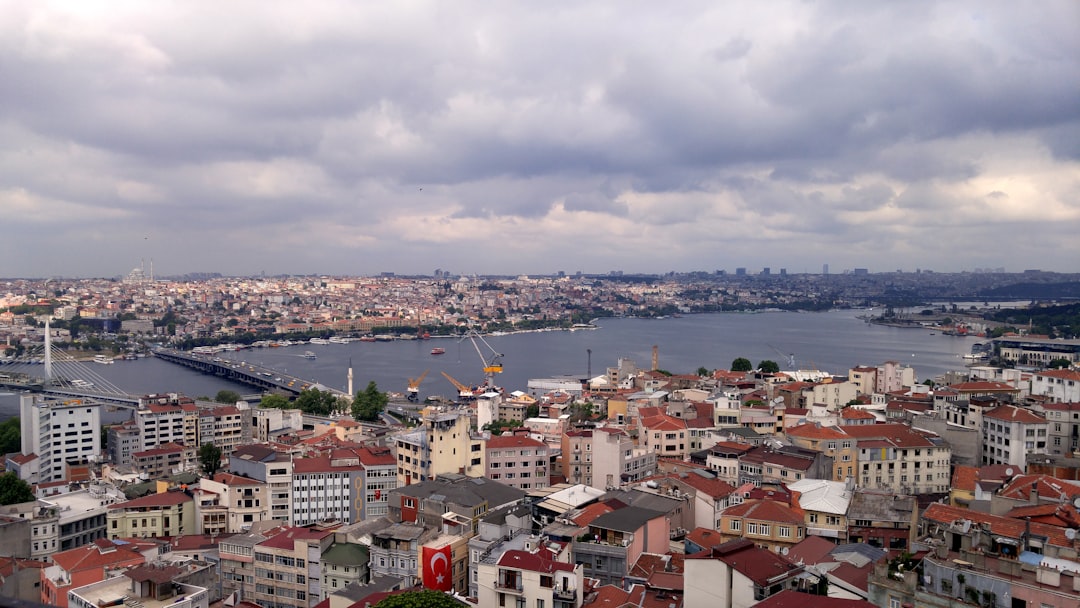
(113, 589)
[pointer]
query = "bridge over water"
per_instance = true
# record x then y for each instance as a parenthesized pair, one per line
(262, 378)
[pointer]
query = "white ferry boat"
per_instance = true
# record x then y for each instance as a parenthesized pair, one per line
(103, 359)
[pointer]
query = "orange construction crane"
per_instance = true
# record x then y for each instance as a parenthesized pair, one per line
(464, 392)
(412, 391)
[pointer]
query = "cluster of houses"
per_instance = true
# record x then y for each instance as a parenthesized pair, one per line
(636, 487)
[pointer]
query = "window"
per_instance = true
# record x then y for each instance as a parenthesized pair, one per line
(736, 524)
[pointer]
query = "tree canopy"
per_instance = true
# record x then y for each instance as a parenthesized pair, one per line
(420, 599)
(275, 401)
(316, 402)
(369, 403)
(227, 396)
(209, 459)
(14, 490)
(768, 367)
(741, 364)
(10, 436)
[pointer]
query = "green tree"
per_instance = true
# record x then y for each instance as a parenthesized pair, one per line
(209, 459)
(316, 402)
(742, 364)
(10, 436)
(703, 371)
(532, 411)
(14, 490)
(768, 367)
(276, 401)
(369, 403)
(226, 396)
(426, 598)
(1058, 364)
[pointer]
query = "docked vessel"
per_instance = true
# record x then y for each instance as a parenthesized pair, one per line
(103, 359)
(438, 351)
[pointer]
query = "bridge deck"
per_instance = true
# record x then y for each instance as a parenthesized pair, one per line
(264, 378)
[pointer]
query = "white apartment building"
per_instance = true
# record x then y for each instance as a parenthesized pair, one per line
(159, 424)
(616, 460)
(530, 578)
(1060, 385)
(1010, 433)
(59, 431)
(891, 376)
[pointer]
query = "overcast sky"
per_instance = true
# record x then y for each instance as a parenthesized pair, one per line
(499, 137)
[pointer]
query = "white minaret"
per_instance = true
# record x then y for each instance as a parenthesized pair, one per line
(48, 350)
(351, 393)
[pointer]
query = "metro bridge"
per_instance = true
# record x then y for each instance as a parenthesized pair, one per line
(263, 378)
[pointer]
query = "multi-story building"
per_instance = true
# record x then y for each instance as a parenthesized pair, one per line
(1063, 427)
(665, 435)
(394, 550)
(288, 568)
(764, 466)
(832, 442)
(530, 577)
(235, 503)
(615, 541)
(81, 566)
(58, 431)
(1012, 433)
(1059, 385)
(441, 444)
(770, 524)
(227, 426)
(64, 521)
(864, 378)
(271, 467)
(161, 423)
(616, 460)
(122, 441)
(269, 423)
(577, 459)
(154, 515)
(344, 563)
(164, 460)
(347, 485)
(883, 519)
(518, 461)
(236, 558)
(468, 498)
(825, 505)
(899, 459)
(891, 377)
(737, 574)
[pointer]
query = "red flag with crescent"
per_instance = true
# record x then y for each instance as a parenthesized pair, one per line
(437, 573)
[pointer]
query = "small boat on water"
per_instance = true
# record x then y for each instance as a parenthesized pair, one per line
(318, 341)
(367, 338)
(103, 359)
(438, 351)
(309, 355)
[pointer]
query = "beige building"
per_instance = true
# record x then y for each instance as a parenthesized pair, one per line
(530, 577)
(665, 435)
(288, 568)
(443, 443)
(616, 460)
(170, 513)
(577, 456)
(230, 504)
(769, 524)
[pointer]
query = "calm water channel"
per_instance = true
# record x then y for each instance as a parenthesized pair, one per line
(832, 341)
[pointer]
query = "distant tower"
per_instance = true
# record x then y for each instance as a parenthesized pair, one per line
(655, 357)
(48, 351)
(824, 269)
(351, 393)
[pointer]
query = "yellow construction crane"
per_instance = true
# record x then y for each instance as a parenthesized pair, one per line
(412, 391)
(464, 393)
(492, 364)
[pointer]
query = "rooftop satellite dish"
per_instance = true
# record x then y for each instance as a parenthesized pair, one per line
(1009, 471)
(1070, 533)
(1076, 502)
(966, 526)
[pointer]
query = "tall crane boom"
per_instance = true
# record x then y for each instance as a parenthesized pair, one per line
(412, 391)
(464, 392)
(492, 364)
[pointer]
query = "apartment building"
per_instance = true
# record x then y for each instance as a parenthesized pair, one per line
(267, 424)
(864, 378)
(288, 569)
(443, 443)
(164, 460)
(451, 497)
(664, 435)
(615, 541)
(825, 505)
(832, 442)
(57, 431)
(170, 422)
(227, 427)
(235, 504)
(769, 524)
(122, 441)
(147, 586)
(82, 566)
(343, 564)
(1059, 385)
(154, 515)
(617, 461)
(271, 467)
(1011, 434)
(1063, 427)
(236, 559)
(737, 574)
(899, 459)
(530, 577)
(395, 550)
(891, 376)
(518, 461)
(346, 484)
(765, 466)
(577, 458)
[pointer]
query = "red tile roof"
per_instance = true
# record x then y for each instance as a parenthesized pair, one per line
(1011, 413)
(761, 566)
(92, 556)
(1002, 526)
(815, 431)
(764, 510)
(513, 441)
(162, 499)
(533, 562)
(1064, 374)
(286, 538)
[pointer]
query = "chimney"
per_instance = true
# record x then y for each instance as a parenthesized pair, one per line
(1034, 492)
(655, 357)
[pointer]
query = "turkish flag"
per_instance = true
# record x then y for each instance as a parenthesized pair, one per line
(438, 572)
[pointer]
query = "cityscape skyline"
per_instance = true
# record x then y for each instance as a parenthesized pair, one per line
(354, 139)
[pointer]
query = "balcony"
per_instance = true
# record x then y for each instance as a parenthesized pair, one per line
(508, 581)
(562, 593)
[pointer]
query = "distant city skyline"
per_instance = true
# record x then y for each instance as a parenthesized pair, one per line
(350, 138)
